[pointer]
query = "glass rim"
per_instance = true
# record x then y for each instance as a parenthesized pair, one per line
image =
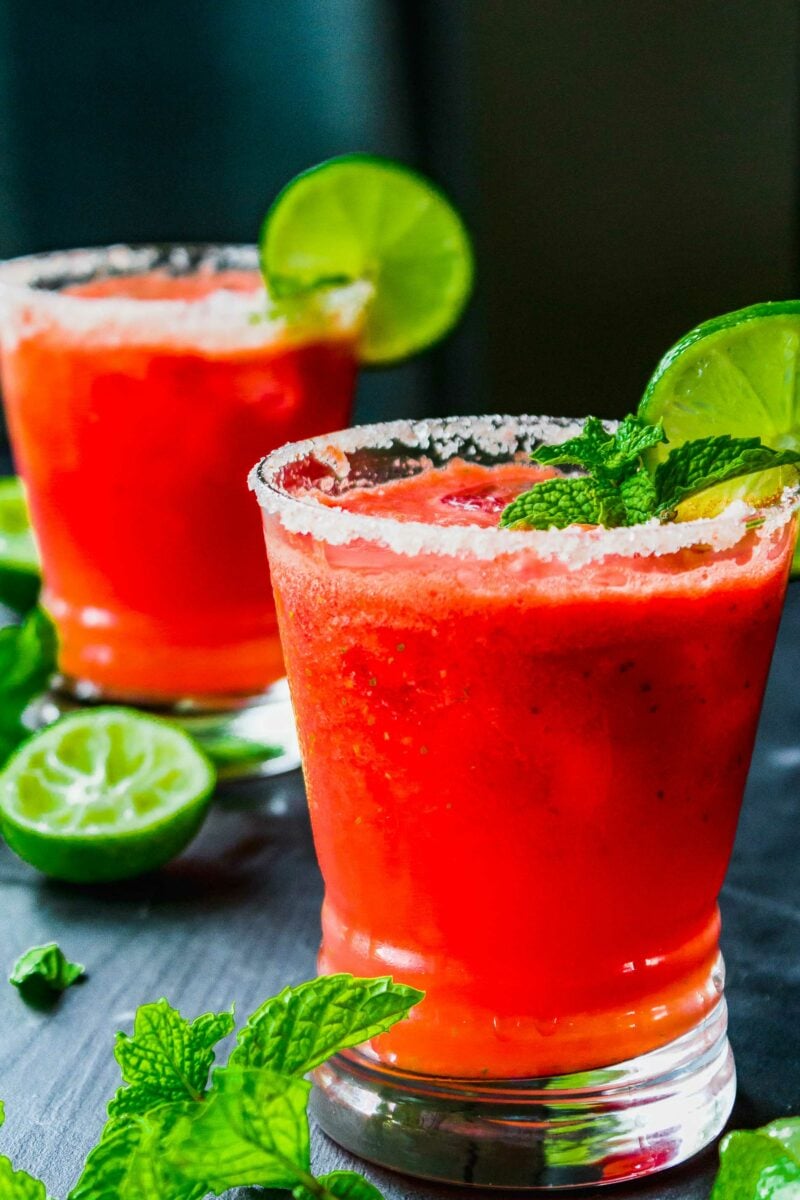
(574, 546)
(122, 259)
(30, 284)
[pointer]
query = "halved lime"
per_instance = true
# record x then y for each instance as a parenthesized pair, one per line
(360, 217)
(19, 560)
(737, 374)
(104, 794)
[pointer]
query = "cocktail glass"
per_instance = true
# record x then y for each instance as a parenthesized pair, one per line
(525, 754)
(138, 383)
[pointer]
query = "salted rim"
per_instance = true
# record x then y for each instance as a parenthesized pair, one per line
(221, 318)
(494, 435)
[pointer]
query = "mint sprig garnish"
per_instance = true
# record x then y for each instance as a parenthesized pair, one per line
(44, 969)
(617, 487)
(172, 1135)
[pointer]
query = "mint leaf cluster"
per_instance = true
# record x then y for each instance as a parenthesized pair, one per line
(174, 1134)
(44, 969)
(27, 661)
(616, 487)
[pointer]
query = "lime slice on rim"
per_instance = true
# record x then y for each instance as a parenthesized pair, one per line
(19, 561)
(364, 218)
(737, 374)
(104, 794)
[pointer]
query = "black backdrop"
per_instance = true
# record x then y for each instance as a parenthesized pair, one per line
(628, 166)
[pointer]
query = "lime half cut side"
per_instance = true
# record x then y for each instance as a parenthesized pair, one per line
(104, 794)
(736, 374)
(359, 217)
(19, 560)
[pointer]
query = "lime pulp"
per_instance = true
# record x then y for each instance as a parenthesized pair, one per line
(359, 217)
(104, 794)
(19, 560)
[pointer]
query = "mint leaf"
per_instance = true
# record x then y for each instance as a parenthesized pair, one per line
(557, 503)
(227, 750)
(130, 1163)
(638, 495)
(589, 449)
(298, 1029)
(787, 1131)
(252, 1130)
(27, 655)
(27, 661)
(167, 1059)
(601, 452)
(339, 1185)
(632, 438)
(756, 1166)
(699, 464)
(19, 1185)
(45, 968)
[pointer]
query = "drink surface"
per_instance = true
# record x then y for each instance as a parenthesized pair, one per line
(524, 780)
(135, 450)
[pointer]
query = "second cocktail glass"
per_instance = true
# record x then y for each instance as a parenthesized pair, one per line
(525, 754)
(138, 384)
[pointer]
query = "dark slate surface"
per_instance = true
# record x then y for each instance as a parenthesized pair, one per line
(235, 919)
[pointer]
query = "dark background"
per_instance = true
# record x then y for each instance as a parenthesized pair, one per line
(628, 167)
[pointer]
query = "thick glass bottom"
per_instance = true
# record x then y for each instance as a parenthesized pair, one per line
(245, 737)
(595, 1127)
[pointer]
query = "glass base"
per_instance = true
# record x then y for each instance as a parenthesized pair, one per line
(596, 1127)
(245, 738)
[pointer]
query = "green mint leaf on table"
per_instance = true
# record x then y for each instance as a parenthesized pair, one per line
(230, 751)
(172, 1137)
(252, 1130)
(617, 489)
(786, 1130)
(27, 654)
(27, 661)
(19, 1185)
(298, 1029)
(339, 1185)
(761, 1164)
(167, 1059)
(700, 464)
(129, 1162)
(43, 969)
